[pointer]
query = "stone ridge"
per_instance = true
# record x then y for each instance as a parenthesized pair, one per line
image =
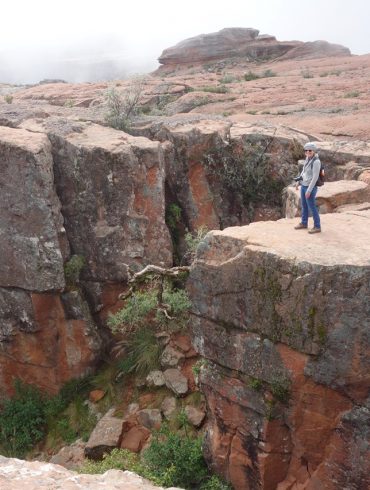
(245, 42)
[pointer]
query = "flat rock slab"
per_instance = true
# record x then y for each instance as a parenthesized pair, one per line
(345, 240)
(35, 475)
(329, 197)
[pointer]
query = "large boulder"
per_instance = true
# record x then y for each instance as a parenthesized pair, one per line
(283, 319)
(105, 436)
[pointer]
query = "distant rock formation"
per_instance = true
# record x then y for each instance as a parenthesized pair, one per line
(246, 43)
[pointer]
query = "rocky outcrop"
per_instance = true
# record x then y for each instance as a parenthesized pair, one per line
(76, 188)
(283, 320)
(42, 341)
(15, 474)
(207, 168)
(246, 43)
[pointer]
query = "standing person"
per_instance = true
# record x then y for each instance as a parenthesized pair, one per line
(307, 180)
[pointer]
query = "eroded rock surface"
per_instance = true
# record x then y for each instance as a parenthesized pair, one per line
(42, 341)
(15, 474)
(278, 316)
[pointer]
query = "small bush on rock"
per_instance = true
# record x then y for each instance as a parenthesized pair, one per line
(30, 415)
(122, 107)
(22, 420)
(118, 459)
(247, 173)
(175, 460)
(251, 76)
(142, 353)
(72, 270)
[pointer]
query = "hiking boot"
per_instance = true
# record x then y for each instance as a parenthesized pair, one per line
(314, 230)
(300, 226)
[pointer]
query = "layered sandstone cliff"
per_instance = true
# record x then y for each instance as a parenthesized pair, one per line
(283, 321)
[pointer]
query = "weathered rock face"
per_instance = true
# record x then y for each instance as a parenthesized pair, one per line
(207, 167)
(31, 222)
(246, 43)
(15, 474)
(41, 341)
(284, 323)
(83, 189)
(111, 186)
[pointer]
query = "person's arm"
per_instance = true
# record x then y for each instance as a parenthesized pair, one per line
(315, 175)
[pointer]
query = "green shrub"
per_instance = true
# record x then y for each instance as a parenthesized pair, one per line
(122, 107)
(30, 415)
(135, 311)
(22, 420)
(8, 98)
(227, 78)
(73, 268)
(118, 459)
(178, 302)
(280, 389)
(246, 173)
(256, 384)
(142, 353)
(250, 76)
(142, 308)
(201, 101)
(173, 216)
(351, 95)
(172, 459)
(269, 73)
(193, 240)
(306, 73)
(175, 460)
(215, 483)
(220, 89)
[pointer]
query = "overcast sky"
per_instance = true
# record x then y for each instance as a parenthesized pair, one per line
(39, 38)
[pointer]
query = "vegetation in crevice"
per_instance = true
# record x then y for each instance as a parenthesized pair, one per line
(246, 172)
(156, 306)
(171, 459)
(30, 415)
(72, 270)
(174, 222)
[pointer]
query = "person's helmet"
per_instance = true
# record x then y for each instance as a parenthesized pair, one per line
(310, 146)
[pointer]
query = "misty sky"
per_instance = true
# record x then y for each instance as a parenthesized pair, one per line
(82, 40)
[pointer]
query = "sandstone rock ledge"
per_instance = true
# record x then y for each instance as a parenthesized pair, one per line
(16, 474)
(283, 319)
